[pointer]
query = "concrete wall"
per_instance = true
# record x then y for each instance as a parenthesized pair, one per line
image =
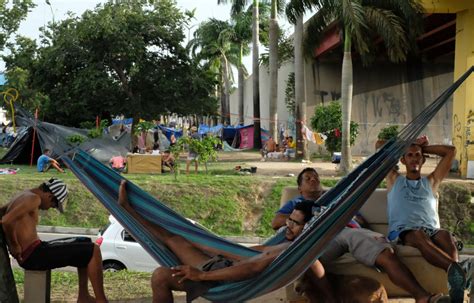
(264, 98)
(384, 94)
(389, 94)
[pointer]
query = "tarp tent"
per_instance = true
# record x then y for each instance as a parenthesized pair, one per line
(167, 131)
(244, 136)
(54, 137)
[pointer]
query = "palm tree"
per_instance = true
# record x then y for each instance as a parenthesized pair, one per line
(242, 37)
(274, 32)
(395, 22)
(212, 42)
(300, 98)
(237, 7)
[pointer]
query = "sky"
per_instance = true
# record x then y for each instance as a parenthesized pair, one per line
(42, 14)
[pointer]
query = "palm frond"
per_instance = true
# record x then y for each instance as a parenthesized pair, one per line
(296, 8)
(353, 19)
(280, 6)
(390, 28)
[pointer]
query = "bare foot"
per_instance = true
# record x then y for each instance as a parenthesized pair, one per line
(123, 197)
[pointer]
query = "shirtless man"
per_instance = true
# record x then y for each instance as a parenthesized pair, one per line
(413, 212)
(198, 266)
(19, 224)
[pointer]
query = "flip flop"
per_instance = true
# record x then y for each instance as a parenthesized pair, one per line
(456, 283)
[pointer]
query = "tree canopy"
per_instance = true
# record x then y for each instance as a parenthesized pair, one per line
(11, 14)
(123, 57)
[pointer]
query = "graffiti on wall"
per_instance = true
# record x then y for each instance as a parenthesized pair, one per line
(469, 126)
(377, 109)
(373, 111)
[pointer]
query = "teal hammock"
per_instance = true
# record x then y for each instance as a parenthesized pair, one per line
(342, 202)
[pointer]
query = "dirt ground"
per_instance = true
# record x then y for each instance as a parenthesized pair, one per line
(326, 169)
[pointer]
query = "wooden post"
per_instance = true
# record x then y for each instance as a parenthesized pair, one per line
(8, 292)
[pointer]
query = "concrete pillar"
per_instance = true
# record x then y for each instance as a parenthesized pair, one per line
(37, 286)
(463, 105)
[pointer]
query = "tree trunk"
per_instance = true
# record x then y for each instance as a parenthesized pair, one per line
(241, 87)
(300, 97)
(257, 139)
(222, 96)
(273, 50)
(225, 72)
(346, 99)
(8, 292)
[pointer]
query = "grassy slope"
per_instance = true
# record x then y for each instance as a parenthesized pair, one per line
(226, 204)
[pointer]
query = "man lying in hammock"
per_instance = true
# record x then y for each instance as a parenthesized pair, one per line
(200, 270)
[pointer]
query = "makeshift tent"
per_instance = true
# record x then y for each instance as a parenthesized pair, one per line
(244, 136)
(240, 136)
(178, 133)
(214, 130)
(227, 133)
(54, 137)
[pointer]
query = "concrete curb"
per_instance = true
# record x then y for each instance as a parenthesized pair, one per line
(95, 231)
(67, 230)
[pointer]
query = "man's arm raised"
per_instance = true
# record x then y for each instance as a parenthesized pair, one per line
(447, 154)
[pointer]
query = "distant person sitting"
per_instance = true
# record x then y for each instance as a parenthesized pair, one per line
(45, 162)
(269, 147)
(290, 150)
(117, 163)
(167, 160)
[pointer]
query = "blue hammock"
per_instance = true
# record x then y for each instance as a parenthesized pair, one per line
(343, 201)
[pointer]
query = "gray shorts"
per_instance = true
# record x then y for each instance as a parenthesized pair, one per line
(364, 245)
(192, 156)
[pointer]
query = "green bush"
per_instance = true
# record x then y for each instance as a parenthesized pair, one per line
(87, 124)
(76, 139)
(328, 121)
(143, 127)
(388, 133)
(456, 211)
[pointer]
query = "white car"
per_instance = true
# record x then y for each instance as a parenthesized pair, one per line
(120, 250)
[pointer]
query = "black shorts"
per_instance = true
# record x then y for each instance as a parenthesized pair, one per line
(75, 252)
(196, 289)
